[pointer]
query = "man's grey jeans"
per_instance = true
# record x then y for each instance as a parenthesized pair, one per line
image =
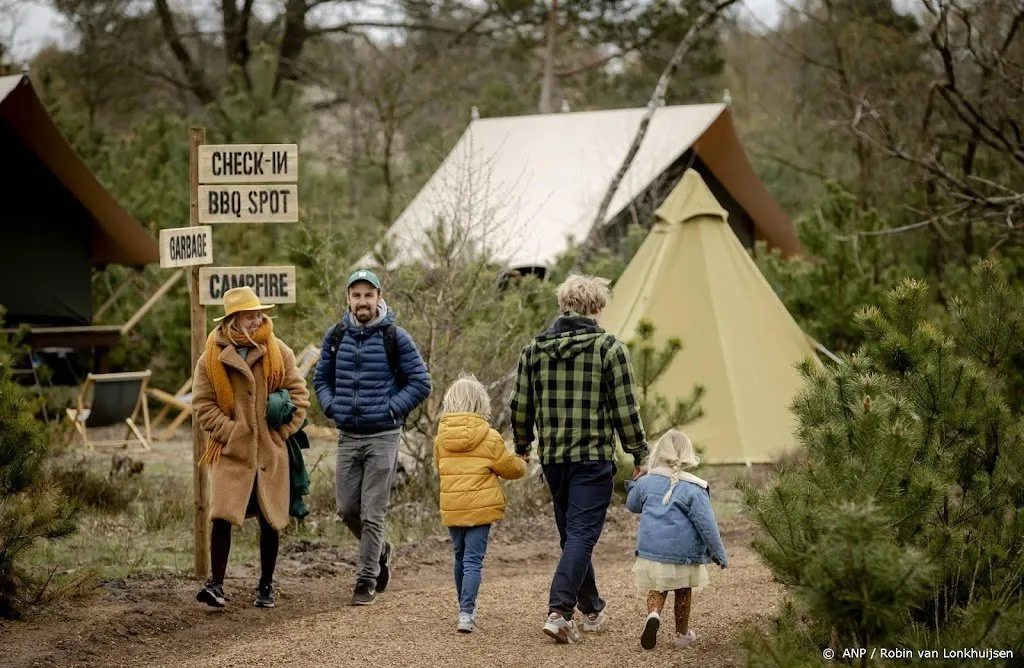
(364, 474)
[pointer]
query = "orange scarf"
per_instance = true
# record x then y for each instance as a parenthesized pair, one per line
(273, 371)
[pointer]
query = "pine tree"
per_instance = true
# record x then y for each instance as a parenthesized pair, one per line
(904, 524)
(30, 507)
(649, 364)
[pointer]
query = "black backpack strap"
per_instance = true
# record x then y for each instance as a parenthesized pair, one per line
(335, 335)
(390, 334)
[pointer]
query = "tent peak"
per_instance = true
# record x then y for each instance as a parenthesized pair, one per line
(689, 199)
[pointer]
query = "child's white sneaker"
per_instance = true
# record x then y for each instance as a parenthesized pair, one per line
(649, 637)
(686, 639)
(562, 630)
(593, 622)
(466, 623)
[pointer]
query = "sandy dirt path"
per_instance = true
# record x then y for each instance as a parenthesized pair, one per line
(158, 623)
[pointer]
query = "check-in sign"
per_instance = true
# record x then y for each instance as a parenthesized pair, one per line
(249, 204)
(249, 163)
(186, 246)
(273, 285)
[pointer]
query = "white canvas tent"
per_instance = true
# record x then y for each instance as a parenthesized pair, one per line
(522, 186)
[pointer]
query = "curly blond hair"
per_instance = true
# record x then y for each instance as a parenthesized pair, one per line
(586, 295)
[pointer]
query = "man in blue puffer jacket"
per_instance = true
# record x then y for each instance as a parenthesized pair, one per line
(368, 390)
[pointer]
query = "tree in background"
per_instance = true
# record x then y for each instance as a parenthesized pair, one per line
(849, 261)
(904, 525)
(649, 364)
(964, 141)
(31, 508)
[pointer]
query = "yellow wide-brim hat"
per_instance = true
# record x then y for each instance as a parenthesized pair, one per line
(241, 299)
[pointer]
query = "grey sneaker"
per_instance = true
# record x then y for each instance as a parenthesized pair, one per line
(364, 595)
(265, 597)
(593, 622)
(212, 595)
(649, 637)
(563, 630)
(466, 623)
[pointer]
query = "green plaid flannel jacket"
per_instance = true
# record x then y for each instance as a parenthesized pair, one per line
(575, 385)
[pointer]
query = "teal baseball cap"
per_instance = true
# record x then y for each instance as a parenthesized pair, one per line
(363, 275)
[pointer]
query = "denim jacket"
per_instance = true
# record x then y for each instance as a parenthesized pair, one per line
(682, 531)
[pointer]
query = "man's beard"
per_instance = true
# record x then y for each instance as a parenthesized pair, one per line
(365, 315)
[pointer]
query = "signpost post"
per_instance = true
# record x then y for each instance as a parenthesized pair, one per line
(197, 319)
(241, 183)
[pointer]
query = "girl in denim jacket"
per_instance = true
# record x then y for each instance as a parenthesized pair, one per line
(678, 535)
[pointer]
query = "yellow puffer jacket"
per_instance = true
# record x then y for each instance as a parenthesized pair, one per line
(470, 456)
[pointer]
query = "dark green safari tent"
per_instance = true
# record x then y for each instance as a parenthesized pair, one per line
(57, 225)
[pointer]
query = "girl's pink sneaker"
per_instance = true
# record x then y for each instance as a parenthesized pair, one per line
(686, 639)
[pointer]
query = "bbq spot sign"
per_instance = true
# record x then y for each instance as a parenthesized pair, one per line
(186, 246)
(249, 204)
(273, 285)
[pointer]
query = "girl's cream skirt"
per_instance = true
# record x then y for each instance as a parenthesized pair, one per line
(657, 576)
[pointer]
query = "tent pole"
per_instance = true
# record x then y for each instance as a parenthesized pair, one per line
(825, 351)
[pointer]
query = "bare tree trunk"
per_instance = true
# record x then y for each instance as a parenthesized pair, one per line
(195, 75)
(685, 44)
(236, 36)
(547, 86)
(294, 38)
(846, 87)
(353, 156)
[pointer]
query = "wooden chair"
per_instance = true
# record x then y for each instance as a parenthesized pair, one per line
(181, 400)
(116, 398)
(307, 359)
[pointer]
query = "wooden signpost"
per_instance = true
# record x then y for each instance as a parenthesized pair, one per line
(265, 203)
(197, 323)
(240, 183)
(273, 285)
(186, 246)
(249, 163)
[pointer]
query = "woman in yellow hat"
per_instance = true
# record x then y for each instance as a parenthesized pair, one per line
(242, 365)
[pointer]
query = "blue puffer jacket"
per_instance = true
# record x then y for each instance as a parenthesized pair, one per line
(360, 394)
(682, 531)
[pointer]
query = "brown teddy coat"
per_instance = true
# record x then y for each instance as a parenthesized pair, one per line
(252, 451)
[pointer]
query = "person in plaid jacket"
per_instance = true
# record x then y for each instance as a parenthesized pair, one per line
(575, 387)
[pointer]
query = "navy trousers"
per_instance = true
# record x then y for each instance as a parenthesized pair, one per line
(581, 493)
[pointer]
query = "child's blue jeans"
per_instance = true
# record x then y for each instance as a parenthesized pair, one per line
(469, 545)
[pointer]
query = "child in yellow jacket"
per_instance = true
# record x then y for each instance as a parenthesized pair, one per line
(470, 458)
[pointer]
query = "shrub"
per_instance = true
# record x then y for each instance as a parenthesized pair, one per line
(904, 525)
(31, 507)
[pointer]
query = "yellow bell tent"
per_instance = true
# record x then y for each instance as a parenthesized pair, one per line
(693, 280)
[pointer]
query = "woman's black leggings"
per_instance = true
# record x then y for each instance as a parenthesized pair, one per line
(220, 547)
